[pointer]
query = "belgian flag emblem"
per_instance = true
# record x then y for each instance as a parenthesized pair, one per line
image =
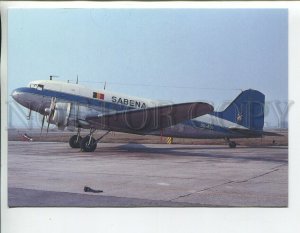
(98, 95)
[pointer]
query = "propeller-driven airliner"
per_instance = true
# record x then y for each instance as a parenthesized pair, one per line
(76, 107)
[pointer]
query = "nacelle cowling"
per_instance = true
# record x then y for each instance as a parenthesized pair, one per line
(68, 114)
(61, 115)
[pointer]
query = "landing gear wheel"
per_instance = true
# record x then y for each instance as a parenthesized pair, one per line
(88, 146)
(232, 144)
(74, 142)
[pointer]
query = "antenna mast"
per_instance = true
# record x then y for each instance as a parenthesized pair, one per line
(53, 76)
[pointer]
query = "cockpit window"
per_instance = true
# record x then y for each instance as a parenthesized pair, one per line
(40, 87)
(37, 86)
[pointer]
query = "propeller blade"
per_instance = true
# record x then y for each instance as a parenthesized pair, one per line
(29, 115)
(48, 126)
(52, 110)
(53, 102)
(49, 118)
(43, 121)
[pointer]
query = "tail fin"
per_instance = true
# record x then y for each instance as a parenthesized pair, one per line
(246, 110)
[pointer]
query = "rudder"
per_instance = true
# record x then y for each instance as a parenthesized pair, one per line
(247, 110)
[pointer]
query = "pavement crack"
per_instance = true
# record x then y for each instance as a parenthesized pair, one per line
(254, 177)
(202, 190)
(229, 182)
(260, 175)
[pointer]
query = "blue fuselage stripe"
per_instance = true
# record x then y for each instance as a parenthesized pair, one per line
(75, 98)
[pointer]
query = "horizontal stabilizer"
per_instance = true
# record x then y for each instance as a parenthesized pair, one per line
(265, 133)
(253, 133)
(149, 119)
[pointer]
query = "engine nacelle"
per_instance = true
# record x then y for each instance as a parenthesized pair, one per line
(61, 115)
(69, 114)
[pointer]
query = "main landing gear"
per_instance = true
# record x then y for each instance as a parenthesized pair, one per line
(86, 144)
(231, 144)
(75, 140)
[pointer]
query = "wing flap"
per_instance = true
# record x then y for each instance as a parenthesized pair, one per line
(149, 119)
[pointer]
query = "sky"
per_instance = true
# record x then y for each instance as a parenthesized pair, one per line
(178, 55)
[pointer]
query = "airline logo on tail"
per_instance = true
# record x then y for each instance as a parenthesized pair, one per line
(239, 118)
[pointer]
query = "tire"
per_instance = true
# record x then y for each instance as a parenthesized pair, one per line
(85, 146)
(232, 144)
(73, 141)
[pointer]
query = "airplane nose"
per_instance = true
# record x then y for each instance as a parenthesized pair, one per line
(23, 97)
(19, 96)
(15, 94)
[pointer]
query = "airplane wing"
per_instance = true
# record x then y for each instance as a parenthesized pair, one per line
(253, 133)
(149, 119)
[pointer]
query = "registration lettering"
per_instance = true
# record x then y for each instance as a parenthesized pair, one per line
(206, 126)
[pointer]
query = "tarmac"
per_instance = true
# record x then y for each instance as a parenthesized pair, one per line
(52, 174)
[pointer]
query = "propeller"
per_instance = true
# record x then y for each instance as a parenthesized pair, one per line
(49, 112)
(43, 121)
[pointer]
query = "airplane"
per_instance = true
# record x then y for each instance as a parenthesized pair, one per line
(75, 106)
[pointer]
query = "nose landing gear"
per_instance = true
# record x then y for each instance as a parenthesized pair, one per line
(86, 144)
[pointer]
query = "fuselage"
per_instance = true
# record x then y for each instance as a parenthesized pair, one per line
(85, 101)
